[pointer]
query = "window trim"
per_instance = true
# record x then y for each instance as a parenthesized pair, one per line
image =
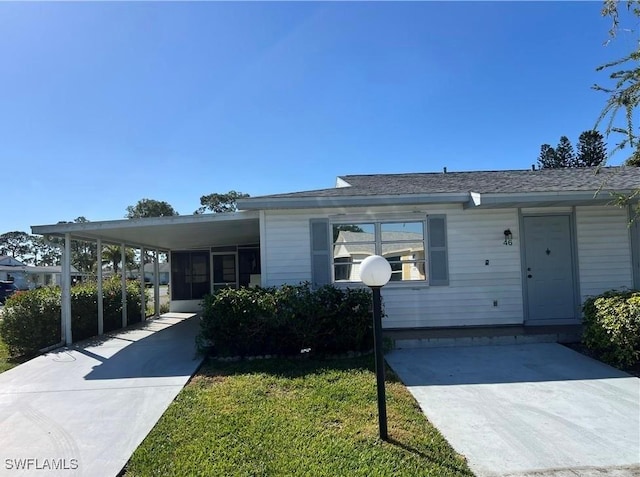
(377, 222)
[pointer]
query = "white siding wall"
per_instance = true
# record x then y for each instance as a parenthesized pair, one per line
(288, 246)
(604, 253)
(473, 237)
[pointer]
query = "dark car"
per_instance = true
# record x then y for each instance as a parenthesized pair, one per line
(6, 290)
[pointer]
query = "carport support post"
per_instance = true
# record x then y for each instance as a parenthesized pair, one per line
(123, 270)
(156, 283)
(100, 295)
(143, 292)
(65, 302)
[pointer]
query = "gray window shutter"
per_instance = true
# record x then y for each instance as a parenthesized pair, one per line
(438, 262)
(320, 252)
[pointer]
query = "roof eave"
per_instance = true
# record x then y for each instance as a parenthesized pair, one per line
(267, 203)
(540, 199)
(62, 228)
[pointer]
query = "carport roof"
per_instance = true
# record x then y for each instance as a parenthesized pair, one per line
(181, 232)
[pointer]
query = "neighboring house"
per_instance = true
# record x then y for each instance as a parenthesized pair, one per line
(163, 274)
(466, 248)
(8, 261)
(27, 276)
(404, 251)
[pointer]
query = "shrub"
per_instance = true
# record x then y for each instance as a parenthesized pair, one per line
(31, 319)
(612, 327)
(237, 319)
(112, 303)
(285, 320)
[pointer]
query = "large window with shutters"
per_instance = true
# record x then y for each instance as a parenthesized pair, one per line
(401, 243)
(415, 249)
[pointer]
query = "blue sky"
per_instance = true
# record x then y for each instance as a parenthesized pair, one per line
(102, 104)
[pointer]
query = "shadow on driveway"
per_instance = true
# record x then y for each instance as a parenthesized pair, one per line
(91, 404)
(155, 349)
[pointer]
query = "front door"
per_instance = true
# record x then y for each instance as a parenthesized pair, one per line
(225, 271)
(549, 271)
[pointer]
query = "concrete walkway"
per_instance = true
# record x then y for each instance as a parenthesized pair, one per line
(528, 410)
(83, 410)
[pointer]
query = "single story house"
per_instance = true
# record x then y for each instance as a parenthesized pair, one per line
(522, 247)
(28, 276)
(164, 272)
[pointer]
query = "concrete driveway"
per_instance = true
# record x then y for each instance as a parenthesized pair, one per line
(83, 410)
(528, 410)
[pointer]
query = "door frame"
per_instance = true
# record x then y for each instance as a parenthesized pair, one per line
(573, 243)
(235, 254)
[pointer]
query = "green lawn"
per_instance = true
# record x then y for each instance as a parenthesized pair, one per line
(292, 417)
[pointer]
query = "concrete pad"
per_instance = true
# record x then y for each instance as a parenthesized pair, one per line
(527, 410)
(83, 410)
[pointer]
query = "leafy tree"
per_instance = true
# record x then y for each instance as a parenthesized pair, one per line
(112, 254)
(220, 203)
(16, 244)
(591, 149)
(84, 254)
(624, 90)
(150, 208)
(44, 253)
(634, 160)
(548, 158)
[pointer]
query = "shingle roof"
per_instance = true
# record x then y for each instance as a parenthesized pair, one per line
(485, 182)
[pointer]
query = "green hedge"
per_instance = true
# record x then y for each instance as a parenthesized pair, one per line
(286, 320)
(612, 327)
(31, 319)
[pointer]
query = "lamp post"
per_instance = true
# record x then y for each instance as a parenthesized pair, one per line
(375, 272)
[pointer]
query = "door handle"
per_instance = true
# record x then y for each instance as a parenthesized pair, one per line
(529, 276)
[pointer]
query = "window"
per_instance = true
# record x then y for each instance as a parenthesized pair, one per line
(401, 243)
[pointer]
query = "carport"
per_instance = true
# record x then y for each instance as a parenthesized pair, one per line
(202, 232)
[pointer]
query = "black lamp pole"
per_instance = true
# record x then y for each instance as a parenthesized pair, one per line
(377, 339)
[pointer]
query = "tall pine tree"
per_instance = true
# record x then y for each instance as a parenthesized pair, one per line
(547, 158)
(591, 149)
(565, 157)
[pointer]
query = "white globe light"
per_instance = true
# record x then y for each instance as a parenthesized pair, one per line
(375, 271)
